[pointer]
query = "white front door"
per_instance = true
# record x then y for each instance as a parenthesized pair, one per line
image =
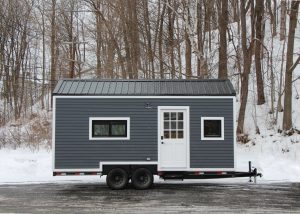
(173, 137)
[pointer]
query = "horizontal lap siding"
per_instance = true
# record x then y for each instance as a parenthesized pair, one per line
(73, 149)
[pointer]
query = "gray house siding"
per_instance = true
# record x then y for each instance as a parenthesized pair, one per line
(74, 150)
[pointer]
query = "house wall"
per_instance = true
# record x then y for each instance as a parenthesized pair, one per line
(74, 150)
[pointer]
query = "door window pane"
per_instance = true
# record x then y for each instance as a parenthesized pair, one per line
(173, 125)
(167, 125)
(180, 115)
(180, 134)
(166, 116)
(173, 134)
(166, 134)
(173, 116)
(180, 125)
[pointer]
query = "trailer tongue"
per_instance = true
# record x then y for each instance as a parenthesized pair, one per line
(210, 175)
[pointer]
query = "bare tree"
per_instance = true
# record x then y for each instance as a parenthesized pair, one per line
(259, 11)
(223, 22)
(287, 113)
(282, 19)
(246, 69)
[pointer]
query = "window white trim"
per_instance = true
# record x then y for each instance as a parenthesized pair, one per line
(202, 128)
(109, 138)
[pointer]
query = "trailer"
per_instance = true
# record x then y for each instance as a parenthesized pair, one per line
(131, 130)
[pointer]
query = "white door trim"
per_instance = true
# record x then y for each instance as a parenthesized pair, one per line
(187, 108)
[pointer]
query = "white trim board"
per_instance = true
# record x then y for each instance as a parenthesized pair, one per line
(53, 131)
(77, 170)
(139, 97)
(125, 163)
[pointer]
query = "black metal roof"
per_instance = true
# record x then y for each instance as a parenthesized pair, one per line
(182, 87)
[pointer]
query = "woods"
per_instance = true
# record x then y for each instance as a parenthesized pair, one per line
(253, 43)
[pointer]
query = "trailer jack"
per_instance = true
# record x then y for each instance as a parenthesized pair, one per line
(253, 173)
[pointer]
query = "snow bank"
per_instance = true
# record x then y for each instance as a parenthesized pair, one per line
(25, 166)
(275, 156)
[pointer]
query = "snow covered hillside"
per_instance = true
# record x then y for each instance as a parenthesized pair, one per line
(276, 157)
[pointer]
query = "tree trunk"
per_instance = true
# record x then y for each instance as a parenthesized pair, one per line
(246, 70)
(160, 41)
(98, 41)
(199, 37)
(259, 7)
(287, 113)
(223, 22)
(282, 19)
(171, 17)
(188, 55)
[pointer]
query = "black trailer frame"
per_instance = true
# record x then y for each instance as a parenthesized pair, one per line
(172, 175)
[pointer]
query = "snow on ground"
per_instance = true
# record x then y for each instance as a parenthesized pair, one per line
(277, 157)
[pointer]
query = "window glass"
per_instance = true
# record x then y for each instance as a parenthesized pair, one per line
(180, 116)
(109, 128)
(212, 128)
(118, 129)
(101, 130)
(166, 134)
(173, 125)
(166, 116)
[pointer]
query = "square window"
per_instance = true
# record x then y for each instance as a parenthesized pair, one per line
(212, 128)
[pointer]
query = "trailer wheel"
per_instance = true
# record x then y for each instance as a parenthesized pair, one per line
(142, 178)
(117, 179)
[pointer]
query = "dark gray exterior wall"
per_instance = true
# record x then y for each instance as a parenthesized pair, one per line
(74, 150)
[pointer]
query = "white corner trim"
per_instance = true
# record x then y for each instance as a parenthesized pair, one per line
(125, 163)
(202, 128)
(234, 131)
(109, 118)
(53, 131)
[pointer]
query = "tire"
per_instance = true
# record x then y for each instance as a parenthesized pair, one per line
(117, 179)
(142, 178)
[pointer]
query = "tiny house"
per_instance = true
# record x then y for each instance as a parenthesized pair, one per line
(131, 130)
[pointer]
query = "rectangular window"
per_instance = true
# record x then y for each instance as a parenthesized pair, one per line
(212, 128)
(109, 128)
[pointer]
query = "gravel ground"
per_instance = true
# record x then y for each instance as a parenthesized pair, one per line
(169, 197)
